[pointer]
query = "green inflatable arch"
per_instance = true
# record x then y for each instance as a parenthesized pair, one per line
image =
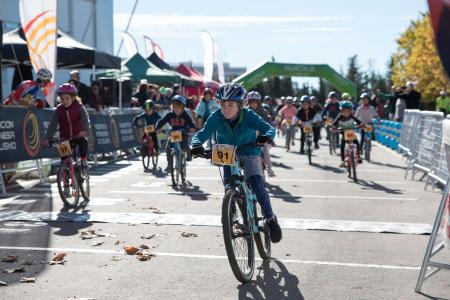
(269, 69)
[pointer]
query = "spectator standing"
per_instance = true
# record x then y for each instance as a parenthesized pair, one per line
(142, 93)
(83, 89)
(413, 97)
(443, 103)
(94, 95)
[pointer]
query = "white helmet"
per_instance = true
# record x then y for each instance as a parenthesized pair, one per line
(44, 74)
(254, 95)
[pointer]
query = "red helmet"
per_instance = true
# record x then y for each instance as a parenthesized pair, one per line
(67, 88)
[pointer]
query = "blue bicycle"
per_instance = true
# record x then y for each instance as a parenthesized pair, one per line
(242, 218)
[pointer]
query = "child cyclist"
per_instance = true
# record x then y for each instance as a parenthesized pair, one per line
(366, 113)
(150, 117)
(235, 125)
(178, 119)
(73, 121)
(347, 120)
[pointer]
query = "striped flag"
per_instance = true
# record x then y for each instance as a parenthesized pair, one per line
(151, 47)
(38, 18)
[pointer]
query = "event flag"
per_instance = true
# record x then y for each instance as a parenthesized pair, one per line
(219, 62)
(151, 47)
(208, 58)
(38, 19)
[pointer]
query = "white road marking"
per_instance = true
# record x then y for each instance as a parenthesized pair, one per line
(270, 194)
(144, 184)
(310, 170)
(301, 180)
(213, 220)
(218, 257)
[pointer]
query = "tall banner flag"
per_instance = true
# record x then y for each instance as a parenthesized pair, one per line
(152, 47)
(130, 44)
(440, 20)
(208, 58)
(219, 62)
(38, 20)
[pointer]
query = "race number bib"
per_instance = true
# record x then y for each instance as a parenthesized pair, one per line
(223, 154)
(307, 129)
(329, 121)
(149, 129)
(349, 135)
(369, 128)
(176, 136)
(64, 149)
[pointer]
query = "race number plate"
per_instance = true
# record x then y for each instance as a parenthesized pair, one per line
(369, 128)
(307, 129)
(329, 121)
(223, 154)
(149, 129)
(176, 136)
(349, 135)
(64, 149)
(288, 123)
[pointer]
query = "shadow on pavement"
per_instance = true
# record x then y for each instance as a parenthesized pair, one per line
(372, 185)
(432, 297)
(157, 172)
(193, 191)
(277, 192)
(273, 281)
(386, 165)
(328, 168)
(70, 222)
(280, 165)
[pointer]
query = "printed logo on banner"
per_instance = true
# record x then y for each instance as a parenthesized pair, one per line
(91, 140)
(115, 133)
(31, 134)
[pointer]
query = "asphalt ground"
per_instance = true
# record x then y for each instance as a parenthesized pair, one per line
(342, 240)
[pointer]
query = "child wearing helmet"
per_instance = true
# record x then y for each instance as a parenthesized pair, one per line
(206, 106)
(178, 119)
(73, 121)
(235, 125)
(346, 119)
(307, 113)
(29, 92)
(254, 102)
(365, 113)
(150, 116)
(287, 114)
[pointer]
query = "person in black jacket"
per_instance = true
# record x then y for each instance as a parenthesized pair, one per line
(413, 97)
(306, 114)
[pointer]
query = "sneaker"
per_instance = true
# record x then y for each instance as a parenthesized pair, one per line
(316, 146)
(359, 160)
(189, 158)
(293, 143)
(275, 230)
(342, 165)
(271, 173)
(302, 151)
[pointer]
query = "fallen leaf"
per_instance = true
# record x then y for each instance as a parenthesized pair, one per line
(14, 270)
(104, 234)
(131, 224)
(148, 236)
(188, 234)
(2, 283)
(53, 262)
(117, 243)
(59, 256)
(130, 250)
(96, 243)
(10, 258)
(28, 263)
(28, 279)
(145, 255)
(116, 258)
(144, 246)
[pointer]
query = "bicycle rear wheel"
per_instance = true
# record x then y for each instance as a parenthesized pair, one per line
(238, 237)
(262, 237)
(174, 172)
(68, 186)
(367, 148)
(145, 158)
(85, 187)
(154, 160)
(309, 150)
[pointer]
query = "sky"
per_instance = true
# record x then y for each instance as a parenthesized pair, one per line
(252, 31)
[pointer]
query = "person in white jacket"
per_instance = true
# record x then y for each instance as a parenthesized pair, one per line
(366, 113)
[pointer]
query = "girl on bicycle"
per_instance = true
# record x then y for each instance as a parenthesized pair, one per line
(151, 117)
(307, 113)
(73, 121)
(366, 113)
(235, 125)
(347, 120)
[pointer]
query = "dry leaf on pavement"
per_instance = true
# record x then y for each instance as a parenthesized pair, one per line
(130, 250)
(59, 256)
(117, 243)
(148, 236)
(116, 258)
(144, 246)
(28, 263)
(28, 279)
(10, 258)
(14, 270)
(2, 283)
(96, 243)
(188, 234)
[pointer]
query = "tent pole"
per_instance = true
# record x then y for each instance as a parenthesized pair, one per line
(93, 72)
(120, 93)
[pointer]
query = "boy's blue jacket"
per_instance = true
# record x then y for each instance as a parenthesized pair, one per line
(243, 133)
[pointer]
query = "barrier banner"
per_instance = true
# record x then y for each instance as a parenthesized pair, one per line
(22, 131)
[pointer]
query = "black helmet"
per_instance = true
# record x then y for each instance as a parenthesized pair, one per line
(231, 92)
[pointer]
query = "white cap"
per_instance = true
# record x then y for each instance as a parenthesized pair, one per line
(410, 83)
(143, 81)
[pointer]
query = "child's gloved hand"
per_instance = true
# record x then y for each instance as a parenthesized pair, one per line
(263, 139)
(197, 150)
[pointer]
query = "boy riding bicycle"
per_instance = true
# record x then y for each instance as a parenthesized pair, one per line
(347, 120)
(366, 113)
(151, 117)
(73, 121)
(178, 119)
(235, 125)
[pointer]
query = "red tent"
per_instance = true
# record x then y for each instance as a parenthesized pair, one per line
(196, 75)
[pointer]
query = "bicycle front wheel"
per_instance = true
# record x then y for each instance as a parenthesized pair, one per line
(174, 172)
(355, 179)
(85, 187)
(145, 158)
(68, 186)
(309, 150)
(367, 149)
(238, 237)
(154, 160)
